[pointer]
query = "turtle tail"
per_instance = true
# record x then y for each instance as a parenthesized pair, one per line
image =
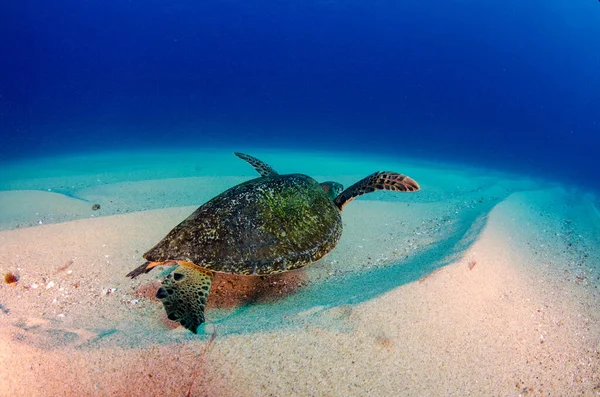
(147, 266)
(381, 180)
(184, 293)
(144, 268)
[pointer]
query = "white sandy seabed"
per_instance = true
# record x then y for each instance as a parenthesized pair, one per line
(480, 284)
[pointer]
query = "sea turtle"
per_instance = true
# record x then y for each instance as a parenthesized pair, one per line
(268, 225)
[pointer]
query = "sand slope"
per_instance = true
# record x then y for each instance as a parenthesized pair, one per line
(394, 310)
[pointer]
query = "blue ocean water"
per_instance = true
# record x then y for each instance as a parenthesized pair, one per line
(508, 84)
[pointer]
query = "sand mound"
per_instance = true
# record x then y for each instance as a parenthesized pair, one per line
(479, 286)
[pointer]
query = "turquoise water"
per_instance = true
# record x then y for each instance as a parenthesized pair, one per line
(507, 85)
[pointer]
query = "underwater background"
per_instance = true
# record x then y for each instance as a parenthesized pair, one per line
(119, 118)
(507, 84)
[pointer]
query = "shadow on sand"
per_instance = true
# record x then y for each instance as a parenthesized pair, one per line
(308, 302)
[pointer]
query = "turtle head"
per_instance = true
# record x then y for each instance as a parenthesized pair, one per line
(332, 189)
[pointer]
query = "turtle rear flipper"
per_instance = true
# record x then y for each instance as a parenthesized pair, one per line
(184, 293)
(382, 180)
(262, 168)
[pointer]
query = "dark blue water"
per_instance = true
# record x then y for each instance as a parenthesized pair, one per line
(512, 84)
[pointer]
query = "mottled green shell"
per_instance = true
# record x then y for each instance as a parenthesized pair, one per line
(264, 226)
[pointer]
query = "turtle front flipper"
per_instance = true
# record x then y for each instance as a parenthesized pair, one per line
(262, 168)
(382, 180)
(184, 293)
